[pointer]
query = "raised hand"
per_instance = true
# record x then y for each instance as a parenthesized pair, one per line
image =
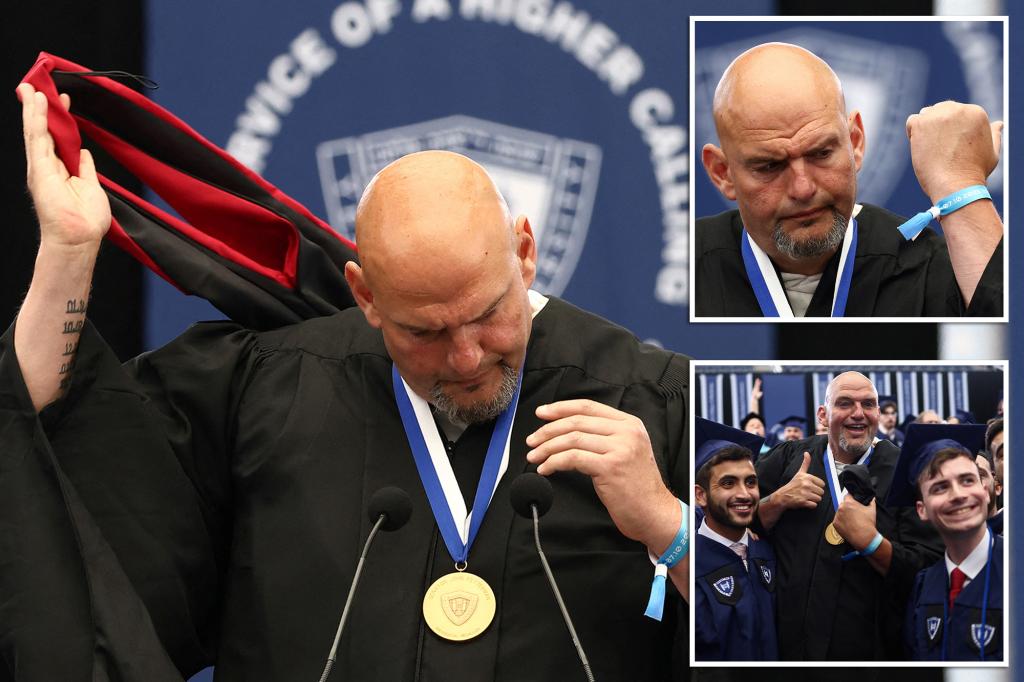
(73, 211)
(952, 146)
(613, 448)
(804, 490)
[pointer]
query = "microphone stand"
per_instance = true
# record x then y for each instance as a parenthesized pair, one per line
(558, 596)
(348, 602)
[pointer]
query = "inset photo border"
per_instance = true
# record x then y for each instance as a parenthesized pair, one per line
(831, 601)
(889, 69)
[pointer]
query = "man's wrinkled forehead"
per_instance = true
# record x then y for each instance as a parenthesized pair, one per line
(772, 85)
(851, 386)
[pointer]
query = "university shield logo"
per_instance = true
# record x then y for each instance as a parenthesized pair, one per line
(725, 586)
(459, 606)
(981, 634)
(551, 180)
(767, 573)
(933, 626)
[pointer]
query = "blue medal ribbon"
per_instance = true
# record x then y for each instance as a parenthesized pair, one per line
(495, 464)
(830, 469)
(768, 290)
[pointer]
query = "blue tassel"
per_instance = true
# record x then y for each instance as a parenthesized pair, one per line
(915, 225)
(656, 603)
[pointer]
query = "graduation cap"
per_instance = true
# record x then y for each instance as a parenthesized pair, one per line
(793, 420)
(965, 416)
(256, 254)
(922, 443)
(886, 400)
(711, 437)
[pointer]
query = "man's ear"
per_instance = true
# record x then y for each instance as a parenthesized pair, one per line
(822, 415)
(361, 292)
(526, 250)
(857, 138)
(700, 496)
(922, 513)
(717, 166)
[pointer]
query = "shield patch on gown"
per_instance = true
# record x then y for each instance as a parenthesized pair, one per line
(725, 586)
(767, 573)
(981, 634)
(459, 606)
(933, 624)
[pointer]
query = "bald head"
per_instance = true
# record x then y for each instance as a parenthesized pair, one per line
(445, 275)
(772, 82)
(789, 154)
(429, 214)
(848, 380)
(851, 414)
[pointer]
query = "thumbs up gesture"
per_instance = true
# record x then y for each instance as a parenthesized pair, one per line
(804, 490)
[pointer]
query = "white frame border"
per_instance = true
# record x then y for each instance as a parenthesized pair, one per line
(697, 167)
(748, 366)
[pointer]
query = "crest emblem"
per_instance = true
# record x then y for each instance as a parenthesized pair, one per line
(933, 624)
(981, 634)
(725, 585)
(767, 573)
(552, 180)
(459, 606)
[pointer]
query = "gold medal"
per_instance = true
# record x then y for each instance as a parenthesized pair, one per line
(459, 606)
(832, 535)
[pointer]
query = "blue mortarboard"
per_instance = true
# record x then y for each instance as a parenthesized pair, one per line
(710, 437)
(884, 400)
(965, 416)
(922, 443)
(794, 420)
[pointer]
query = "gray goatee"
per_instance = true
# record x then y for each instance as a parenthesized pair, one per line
(810, 248)
(478, 412)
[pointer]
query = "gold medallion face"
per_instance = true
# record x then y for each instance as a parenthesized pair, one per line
(832, 535)
(459, 606)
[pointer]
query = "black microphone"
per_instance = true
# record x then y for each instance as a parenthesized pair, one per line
(531, 496)
(389, 509)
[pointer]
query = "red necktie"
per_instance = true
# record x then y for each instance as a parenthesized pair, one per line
(956, 583)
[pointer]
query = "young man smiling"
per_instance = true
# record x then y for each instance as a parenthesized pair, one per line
(734, 592)
(956, 609)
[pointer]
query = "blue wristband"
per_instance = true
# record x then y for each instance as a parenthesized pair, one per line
(875, 543)
(676, 551)
(944, 206)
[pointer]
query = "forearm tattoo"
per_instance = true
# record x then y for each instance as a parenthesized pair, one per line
(75, 310)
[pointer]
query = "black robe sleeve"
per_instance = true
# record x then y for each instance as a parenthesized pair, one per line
(115, 529)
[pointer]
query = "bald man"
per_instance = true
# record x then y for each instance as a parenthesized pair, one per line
(845, 568)
(217, 487)
(799, 244)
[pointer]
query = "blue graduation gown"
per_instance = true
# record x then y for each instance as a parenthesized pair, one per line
(735, 608)
(960, 628)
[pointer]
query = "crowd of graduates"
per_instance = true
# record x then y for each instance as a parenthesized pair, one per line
(866, 541)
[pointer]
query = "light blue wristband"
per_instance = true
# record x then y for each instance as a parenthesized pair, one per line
(676, 551)
(944, 206)
(875, 543)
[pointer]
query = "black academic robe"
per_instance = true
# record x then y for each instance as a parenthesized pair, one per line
(205, 504)
(892, 277)
(996, 522)
(829, 609)
(935, 633)
(734, 607)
